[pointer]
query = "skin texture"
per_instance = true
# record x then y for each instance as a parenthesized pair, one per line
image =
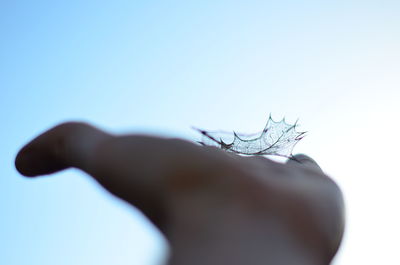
(212, 206)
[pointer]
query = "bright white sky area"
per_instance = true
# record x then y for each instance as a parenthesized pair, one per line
(161, 67)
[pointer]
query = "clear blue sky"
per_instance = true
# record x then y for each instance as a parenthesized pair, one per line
(163, 66)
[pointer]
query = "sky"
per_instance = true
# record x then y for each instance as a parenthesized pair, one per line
(160, 67)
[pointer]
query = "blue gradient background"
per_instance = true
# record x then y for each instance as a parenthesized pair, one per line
(163, 66)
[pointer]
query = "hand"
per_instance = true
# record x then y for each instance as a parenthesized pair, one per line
(213, 207)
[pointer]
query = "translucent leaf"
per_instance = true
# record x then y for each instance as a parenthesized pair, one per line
(277, 138)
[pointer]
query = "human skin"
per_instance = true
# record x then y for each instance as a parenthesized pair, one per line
(213, 207)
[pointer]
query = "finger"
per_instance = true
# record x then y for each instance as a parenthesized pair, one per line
(133, 168)
(331, 208)
(61, 147)
(304, 160)
(80, 145)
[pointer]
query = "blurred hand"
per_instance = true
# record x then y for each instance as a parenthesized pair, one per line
(213, 207)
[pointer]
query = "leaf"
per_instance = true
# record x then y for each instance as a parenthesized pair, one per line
(277, 138)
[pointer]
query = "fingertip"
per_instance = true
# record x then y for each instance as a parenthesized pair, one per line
(31, 164)
(23, 163)
(63, 146)
(19, 162)
(304, 160)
